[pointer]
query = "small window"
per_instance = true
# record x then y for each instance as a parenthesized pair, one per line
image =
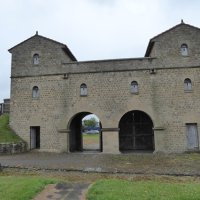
(36, 59)
(35, 92)
(184, 50)
(83, 90)
(134, 87)
(187, 84)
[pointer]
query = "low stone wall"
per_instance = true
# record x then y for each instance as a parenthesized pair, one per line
(13, 148)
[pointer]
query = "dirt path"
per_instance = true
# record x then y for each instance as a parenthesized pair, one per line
(63, 191)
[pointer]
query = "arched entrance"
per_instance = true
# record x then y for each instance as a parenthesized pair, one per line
(78, 133)
(136, 132)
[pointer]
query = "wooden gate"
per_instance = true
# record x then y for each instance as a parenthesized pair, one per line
(136, 132)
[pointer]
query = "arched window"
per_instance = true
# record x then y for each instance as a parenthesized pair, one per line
(35, 92)
(36, 59)
(184, 50)
(187, 84)
(134, 87)
(83, 89)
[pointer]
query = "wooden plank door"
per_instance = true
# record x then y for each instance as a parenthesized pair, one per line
(192, 137)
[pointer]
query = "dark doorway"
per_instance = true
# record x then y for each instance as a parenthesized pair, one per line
(34, 137)
(76, 135)
(136, 132)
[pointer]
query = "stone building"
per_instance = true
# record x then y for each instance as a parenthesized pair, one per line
(149, 103)
(5, 107)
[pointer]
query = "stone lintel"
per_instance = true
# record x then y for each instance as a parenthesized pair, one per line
(160, 128)
(63, 130)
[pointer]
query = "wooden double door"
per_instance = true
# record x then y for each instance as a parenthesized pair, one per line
(136, 132)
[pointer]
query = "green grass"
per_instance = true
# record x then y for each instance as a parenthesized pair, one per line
(143, 190)
(94, 136)
(6, 134)
(90, 141)
(21, 188)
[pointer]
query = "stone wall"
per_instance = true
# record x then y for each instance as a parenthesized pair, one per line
(13, 148)
(51, 54)
(161, 93)
(161, 96)
(167, 47)
(5, 107)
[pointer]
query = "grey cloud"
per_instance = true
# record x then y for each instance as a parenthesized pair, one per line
(92, 29)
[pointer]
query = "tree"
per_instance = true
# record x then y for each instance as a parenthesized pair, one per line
(90, 123)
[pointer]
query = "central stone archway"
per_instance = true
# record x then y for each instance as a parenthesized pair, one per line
(76, 133)
(136, 132)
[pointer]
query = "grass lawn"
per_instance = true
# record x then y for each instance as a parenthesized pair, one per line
(143, 190)
(94, 137)
(21, 188)
(90, 140)
(6, 134)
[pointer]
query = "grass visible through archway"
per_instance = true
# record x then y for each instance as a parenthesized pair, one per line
(91, 141)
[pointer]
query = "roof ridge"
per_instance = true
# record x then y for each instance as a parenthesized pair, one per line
(46, 38)
(36, 35)
(151, 41)
(180, 24)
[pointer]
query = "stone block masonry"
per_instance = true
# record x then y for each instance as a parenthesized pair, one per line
(13, 148)
(162, 116)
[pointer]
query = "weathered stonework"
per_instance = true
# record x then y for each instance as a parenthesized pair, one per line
(160, 76)
(13, 148)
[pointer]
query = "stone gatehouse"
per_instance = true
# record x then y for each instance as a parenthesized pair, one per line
(150, 103)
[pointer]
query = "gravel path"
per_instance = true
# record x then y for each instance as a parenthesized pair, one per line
(138, 163)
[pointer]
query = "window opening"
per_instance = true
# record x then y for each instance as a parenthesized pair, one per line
(83, 90)
(134, 87)
(35, 92)
(184, 50)
(36, 59)
(187, 84)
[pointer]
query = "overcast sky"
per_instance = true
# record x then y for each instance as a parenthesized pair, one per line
(92, 29)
